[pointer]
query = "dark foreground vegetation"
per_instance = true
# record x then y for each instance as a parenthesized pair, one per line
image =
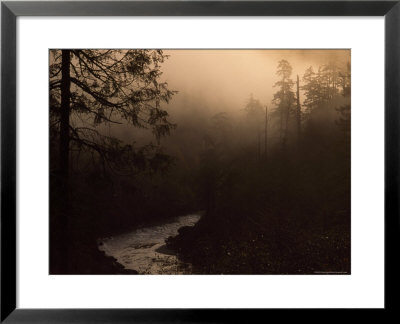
(274, 182)
(251, 229)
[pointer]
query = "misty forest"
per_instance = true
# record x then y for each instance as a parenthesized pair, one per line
(199, 161)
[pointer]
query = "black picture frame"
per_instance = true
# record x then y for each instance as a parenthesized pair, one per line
(10, 10)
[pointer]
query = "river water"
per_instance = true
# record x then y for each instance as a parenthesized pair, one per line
(144, 249)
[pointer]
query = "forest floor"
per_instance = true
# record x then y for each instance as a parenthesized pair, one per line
(251, 252)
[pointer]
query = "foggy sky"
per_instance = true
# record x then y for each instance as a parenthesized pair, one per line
(222, 80)
(227, 77)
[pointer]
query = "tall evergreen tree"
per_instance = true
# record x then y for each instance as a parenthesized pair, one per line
(345, 80)
(298, 108)
(312, 89)
(93, 87)
(284, 99)
(254, 115)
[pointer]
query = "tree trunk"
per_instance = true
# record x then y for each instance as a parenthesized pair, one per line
(287, 105)
(298, 112)
(286, 133)
(62, 223)
(282, 104)
(266, 134)
(64, 114)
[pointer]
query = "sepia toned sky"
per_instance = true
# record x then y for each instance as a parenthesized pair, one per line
(227, 77)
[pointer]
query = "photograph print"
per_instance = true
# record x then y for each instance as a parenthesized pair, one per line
(200, 161)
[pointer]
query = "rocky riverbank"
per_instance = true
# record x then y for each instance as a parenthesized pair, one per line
(109, 265)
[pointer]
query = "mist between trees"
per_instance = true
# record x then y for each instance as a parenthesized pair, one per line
(258, 140)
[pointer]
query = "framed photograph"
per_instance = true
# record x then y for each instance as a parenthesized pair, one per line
(197, 161)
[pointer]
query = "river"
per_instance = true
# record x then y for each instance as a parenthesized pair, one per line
(144, 249)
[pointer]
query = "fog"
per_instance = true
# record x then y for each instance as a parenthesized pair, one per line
(212, 81)
(226, 78)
